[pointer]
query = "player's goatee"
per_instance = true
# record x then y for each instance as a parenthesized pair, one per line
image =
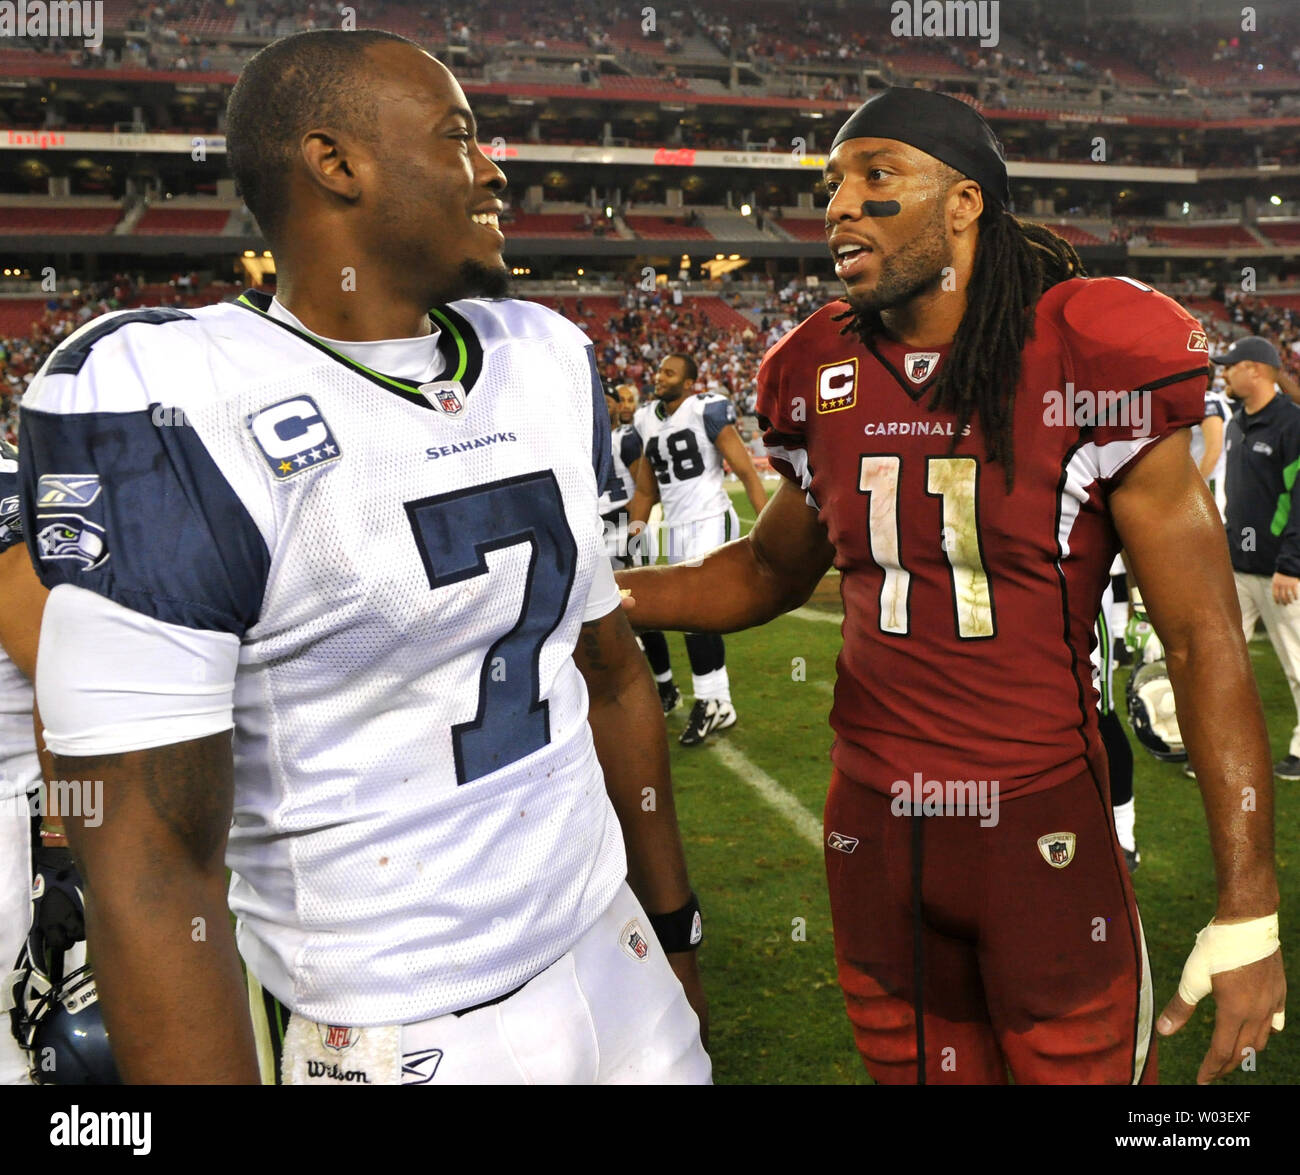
(915, 269)
(483, 281)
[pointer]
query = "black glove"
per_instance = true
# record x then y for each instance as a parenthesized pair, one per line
(59, 913)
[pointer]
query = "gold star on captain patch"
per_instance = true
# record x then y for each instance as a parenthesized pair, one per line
(285, 467)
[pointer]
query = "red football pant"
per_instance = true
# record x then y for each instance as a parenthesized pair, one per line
(1018, 965)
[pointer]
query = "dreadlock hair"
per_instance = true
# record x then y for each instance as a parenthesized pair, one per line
(1015, 262)
(315, 78)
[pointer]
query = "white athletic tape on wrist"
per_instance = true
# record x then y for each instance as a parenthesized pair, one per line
(1225, 947)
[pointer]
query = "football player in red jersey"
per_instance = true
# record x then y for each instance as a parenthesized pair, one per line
(970, 436)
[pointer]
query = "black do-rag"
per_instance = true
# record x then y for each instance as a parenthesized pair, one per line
(939, 125)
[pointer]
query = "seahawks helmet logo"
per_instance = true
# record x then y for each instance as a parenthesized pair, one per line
(72, 537)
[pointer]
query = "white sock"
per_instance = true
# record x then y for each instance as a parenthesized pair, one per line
(1125, 820)
(665, 677)
(715, 686)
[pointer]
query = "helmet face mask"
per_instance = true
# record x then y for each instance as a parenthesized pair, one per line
(1151, 712)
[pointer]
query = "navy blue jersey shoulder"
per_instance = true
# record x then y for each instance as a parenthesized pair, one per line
(11, 527)
(629, 446)
(602, 445)
(717, 416)
(139, 513)
(70, 358)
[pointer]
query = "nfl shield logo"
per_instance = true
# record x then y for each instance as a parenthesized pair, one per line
(337, 1037)
(919, 365)
(633, 940)
(445, 395)
(1057, 848)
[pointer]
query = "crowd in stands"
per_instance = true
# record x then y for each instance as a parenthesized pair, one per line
(634, 337)
(648, 326)
(1279, 323)
(1031, 57)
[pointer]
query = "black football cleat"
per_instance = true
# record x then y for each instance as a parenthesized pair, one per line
(1132, 858)
(1288, 768)
(670, 697)
(706, 717)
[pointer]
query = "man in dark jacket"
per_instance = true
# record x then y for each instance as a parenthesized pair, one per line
(1263, 515)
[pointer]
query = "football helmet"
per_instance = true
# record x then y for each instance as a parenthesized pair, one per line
(60, 1026)
(1139, 636)
(50, 995)
(1151, 712)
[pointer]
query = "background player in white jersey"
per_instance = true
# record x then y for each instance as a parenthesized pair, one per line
(1119, 754)
(362, 532)
(625, 442)
(1207, 440)
(20, 770)
(686, 437)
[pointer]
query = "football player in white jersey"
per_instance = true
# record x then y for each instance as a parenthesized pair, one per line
(627, 455)
(357, 522)
(20, 770)
(1207, 440)
(686, 437)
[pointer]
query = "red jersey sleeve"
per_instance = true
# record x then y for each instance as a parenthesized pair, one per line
(1140, 361)
(783, 412)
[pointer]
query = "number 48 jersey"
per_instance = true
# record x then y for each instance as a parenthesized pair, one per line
(684, 457)
(389, 583)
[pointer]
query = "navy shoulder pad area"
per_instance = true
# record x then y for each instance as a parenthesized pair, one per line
(71, 357)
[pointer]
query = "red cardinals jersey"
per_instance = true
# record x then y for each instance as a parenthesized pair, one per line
(968, 609)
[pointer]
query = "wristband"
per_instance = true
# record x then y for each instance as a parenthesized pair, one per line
(681, 930)
(1222, 947)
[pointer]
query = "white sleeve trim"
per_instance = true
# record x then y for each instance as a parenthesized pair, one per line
(110, 680)
(603, 597)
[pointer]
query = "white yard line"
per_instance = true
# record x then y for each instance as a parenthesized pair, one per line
(770, 792)
(813, 614)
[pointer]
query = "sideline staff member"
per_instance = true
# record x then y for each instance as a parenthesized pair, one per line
(1263, 456)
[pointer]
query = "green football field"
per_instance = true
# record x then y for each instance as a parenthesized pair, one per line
(750, 808)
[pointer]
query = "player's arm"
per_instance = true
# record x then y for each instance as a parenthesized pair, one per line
(1162, 510)
(645, 495)
(22, 600)
(742, 584)
(627, 726)
(169, 976)
(135, 676)
(1212, 432)
(22, 603)
(737, 456)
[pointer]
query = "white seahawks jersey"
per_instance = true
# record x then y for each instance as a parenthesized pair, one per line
(19, 767)
(626, 451)
(1216, 404)
(420, 820)
(683, 454)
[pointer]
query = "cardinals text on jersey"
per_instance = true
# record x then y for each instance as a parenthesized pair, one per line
(391, 578)
(684, 457)
(968, 608)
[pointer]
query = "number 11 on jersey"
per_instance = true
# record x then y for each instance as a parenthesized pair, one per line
(955, 481)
